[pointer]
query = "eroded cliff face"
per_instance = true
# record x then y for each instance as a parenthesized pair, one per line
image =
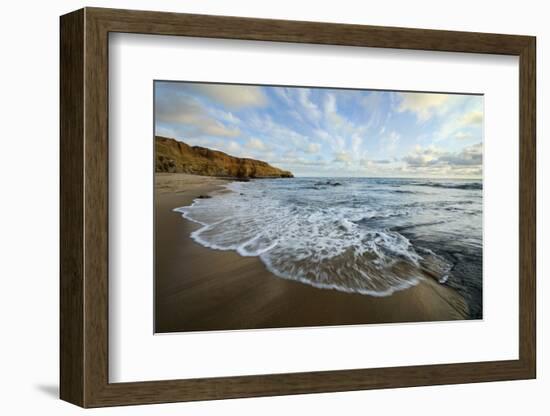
(178, 157)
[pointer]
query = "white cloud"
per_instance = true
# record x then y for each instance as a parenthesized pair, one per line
(342, 134)
(233, 147)
(309, 106)
(226, 116)
(322, 134)
(462, 136)
(331, 111)
(330, 103)
(296, 115)
(474, 117)
(292, 160)
(194, 118)
(423, 156)
(469, 156)
(233, 96)
(327, 131)
(423, 105)
(313, 148)
(217, 129)
(335, 121)
(256, 144)
(283, 94)
(342, 157)
(382, 167)
(390, 141)
(279, 135)
(435, 161)
(456, 123)
(372, 101)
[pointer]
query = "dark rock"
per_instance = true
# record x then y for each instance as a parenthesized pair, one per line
(327, 183)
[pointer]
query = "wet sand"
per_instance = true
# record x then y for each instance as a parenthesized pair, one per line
(200, 289)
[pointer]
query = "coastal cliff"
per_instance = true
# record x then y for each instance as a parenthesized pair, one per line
(174, 156)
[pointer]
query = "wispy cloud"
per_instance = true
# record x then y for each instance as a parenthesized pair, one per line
(195, 118)
(343, 157)
(437, 161)
(232, 96)
(422, 104)
(328, 132)
(256, 144)
(465, 123)
(311, 109)
(472, 118)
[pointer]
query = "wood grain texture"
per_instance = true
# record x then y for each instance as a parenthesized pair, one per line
(71, 203)
(96, 219)
(226, 27)
(84, 207)
(527, 208)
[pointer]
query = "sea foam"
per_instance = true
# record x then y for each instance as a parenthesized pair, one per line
(335, 237)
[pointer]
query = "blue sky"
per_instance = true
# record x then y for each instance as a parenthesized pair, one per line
(328, 132)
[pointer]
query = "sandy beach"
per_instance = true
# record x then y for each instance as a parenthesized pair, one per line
(200, 289)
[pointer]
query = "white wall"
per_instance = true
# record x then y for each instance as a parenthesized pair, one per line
(29, 207)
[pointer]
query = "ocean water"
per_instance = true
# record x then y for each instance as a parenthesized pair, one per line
(370, 236)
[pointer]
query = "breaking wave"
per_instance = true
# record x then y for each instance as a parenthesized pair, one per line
(339, 238)
(448, 185)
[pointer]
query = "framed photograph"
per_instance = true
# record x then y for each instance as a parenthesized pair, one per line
(255, 207)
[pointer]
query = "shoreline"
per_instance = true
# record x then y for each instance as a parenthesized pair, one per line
(202, 289)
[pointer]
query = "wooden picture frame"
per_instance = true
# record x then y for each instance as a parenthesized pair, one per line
(84, 207)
